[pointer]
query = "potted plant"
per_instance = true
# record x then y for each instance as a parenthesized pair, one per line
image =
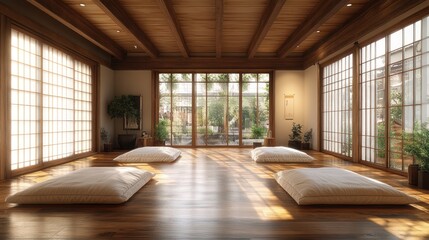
(121, 107)
(161, 133)
(417, 146)
(105, 138)
(295, 136)
(257, 133)
(305, 145)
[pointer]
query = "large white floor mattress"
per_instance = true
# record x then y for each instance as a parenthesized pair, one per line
(330, 185)
(88, 185)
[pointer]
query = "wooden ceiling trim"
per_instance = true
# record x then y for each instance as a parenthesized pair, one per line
(173, 22)
(146, 63)
(118, 14)
(323, 11)
(267, 20)
(367, 21)
(219, 26)
(73, 20)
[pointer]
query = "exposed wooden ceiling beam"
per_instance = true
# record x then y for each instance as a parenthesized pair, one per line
(367, 21)
(323, 11)
(270, 15)
(73, 20)
(224, 63)
(118, 14)
(167, 7)
(219, 27)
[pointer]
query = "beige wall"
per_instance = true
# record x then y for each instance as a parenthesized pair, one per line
(138, 82)
(300, 83)
(289, 83)
(107, 92)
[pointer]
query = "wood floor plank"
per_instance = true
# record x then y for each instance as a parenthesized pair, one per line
(212, 193)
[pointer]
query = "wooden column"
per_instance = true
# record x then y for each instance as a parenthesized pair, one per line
(356, 103)
(318, 138)
(3, 98)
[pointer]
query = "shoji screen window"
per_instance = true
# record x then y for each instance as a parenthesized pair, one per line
(25, 92)
(82, 107)
(51, 103)
(58, 104)
(394, 89)
(372, 102)
(337, 106)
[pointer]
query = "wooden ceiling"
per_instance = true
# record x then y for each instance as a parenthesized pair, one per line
(180, 33)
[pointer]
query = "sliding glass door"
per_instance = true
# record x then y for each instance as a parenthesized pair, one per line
(395, 97)
(214, 109)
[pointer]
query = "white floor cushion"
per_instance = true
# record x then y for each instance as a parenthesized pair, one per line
(338, 186)
(88, 185)
(150, 154)
(279, 154)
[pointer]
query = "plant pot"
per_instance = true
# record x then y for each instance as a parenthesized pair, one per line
(159, 143)
(107, 147)
(126, 141)
(294, 144)
(305, 146)
(423, 181)
(413, 174)
(257, 144)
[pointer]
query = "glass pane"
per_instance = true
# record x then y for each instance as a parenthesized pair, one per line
(216, 118)
(395, 161)
(200, 77)
(164, 89)
(408, 119)
(233, 121)
(182, 89)
(265, 77)
(250, 77)
(234, 77)
(417, 30)
(233, 89)
(408, 34)
(218, 77)
(395, 40)
(201, 114)
(164, 77)
(181, 77)
(248, 117)
(417, 86)
(381, 47)
(396, 90)
(182, 121)
(408, 87)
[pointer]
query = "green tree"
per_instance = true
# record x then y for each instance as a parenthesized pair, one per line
(216, 114)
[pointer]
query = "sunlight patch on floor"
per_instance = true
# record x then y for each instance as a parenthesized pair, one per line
(404, 227)
(264, 202)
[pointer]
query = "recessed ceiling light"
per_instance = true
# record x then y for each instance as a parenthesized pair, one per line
(349, 5)
(297, 46)
(118, 31)
(135, 46)
(318, 31)
(82, 5)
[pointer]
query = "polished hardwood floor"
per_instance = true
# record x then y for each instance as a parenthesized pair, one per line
(212, 193)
